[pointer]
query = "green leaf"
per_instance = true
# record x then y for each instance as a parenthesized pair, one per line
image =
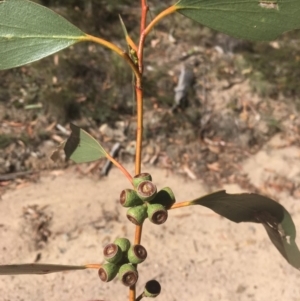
(29, 32)
(34, 268)
(246, 19)
(123, 27)
(82, 147)
(251, 207)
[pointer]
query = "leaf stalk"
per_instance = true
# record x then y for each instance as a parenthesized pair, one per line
(180, 205)
(120, 166)
(115, 49)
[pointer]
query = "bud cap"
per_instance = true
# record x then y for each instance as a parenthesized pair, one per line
(137, 179)
(108, 272)
(128, 274)
(146, 191)
(137, 214)
(112, 253)
(137, 254)
(157, 213)
(129, 198)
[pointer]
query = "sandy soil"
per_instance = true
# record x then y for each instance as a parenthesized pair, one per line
(196, 255)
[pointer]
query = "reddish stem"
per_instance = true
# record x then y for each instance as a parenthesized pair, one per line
(142, 35)
(138, 235)
(138, 159)
(145, 9)
(132, 293)
(139, 131)
(146, 31)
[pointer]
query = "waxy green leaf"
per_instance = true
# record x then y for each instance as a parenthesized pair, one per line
(82, 147)
(246, 19)
(35, 268)
(251, 207)
(29, 32)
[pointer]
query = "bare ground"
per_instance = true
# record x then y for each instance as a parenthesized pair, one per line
(196, 255)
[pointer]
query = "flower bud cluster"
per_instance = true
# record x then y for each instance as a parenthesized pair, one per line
(145, 202)
(121, 258)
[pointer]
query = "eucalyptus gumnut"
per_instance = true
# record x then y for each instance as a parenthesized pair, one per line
(137, 214)
(146, 190)
(108, 272)
(129, 198)
(165, 197)
(112, 253)
(128, 274)
(123, 243)
(152, 289)
(145, 176)
(157, 213)
(137, 254)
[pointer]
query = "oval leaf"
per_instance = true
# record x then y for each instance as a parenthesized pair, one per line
(246, 19)
(29, 32)
(35, 268)
(82, 147)
(251, 207)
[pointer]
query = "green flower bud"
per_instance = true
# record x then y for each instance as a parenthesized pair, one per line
(129, 198)
(152, 289)
(128, 274)
(136, 254)
(112, 253)
(165, 197)
(123, 243)
(146, 191)
(157, 213)
(137, 214)
(108, 272)
(140, 178)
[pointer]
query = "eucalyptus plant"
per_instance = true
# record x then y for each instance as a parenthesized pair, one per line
(30, 32)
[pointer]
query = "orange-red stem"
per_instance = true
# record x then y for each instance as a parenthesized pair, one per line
(120, 166)
(132, 293)
(146, 31)
(138, 235)
(145, 9)
(139, 130)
